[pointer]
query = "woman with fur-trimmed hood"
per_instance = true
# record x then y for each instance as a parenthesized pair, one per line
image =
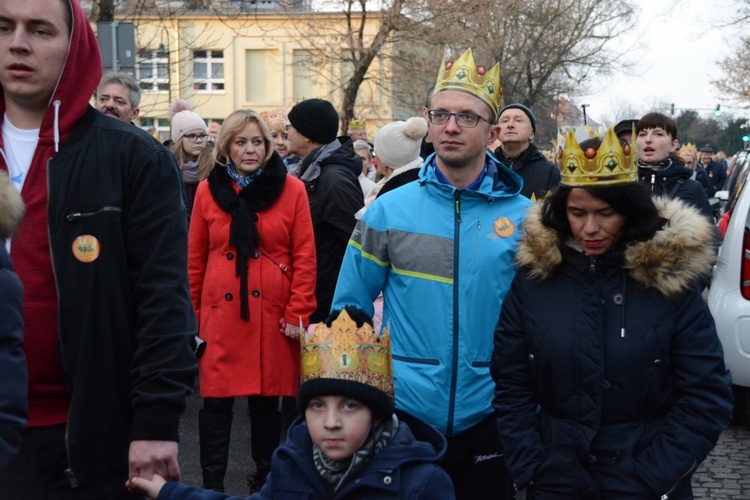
(13, 397)
(610, 379)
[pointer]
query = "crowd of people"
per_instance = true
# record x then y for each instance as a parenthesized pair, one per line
(441, 313)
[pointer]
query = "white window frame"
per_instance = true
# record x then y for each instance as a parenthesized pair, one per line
(211, 84)
(151, 85)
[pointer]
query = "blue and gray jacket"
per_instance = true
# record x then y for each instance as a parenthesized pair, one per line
(443, 259)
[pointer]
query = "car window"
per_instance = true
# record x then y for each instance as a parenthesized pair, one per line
(738, 179)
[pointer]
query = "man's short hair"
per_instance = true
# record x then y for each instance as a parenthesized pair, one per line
(125, 80)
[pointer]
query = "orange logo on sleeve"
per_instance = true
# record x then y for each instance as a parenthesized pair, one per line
(86, 248)
(504, 227)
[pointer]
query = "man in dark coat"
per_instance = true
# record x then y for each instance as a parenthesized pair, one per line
(518, 152)
(102, 256)
(717, 173)
(329, 170)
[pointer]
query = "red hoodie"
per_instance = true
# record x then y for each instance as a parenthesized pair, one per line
(48, 396)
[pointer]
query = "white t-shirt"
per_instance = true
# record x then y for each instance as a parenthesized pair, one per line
(19, 146)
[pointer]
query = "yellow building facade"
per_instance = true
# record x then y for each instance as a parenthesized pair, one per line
(220, 62)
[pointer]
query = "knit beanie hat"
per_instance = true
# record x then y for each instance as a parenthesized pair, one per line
(276, 120)
(398, 143)
(523, 108)
(316, 119)
(344, 357)
(184, 119)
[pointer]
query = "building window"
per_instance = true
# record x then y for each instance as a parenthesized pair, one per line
(153, 71)
(157, 127)
(305, 79)
(208, 70)
(261, 76)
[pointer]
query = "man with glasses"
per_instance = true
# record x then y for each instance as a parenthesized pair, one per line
(441, 249)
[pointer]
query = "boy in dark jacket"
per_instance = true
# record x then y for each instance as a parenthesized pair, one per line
(350, 443)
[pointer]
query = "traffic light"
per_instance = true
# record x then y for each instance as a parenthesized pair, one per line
(718, 110)
(746, 138)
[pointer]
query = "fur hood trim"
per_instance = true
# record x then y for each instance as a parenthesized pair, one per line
(11, 207)
(681, 252)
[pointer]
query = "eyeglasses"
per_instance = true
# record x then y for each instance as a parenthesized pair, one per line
(463, 120)
(196, 137)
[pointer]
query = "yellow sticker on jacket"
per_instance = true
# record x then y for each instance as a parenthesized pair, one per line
(86, 248)
(504, 227)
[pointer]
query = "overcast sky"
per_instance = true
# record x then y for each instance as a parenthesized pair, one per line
(677, 53)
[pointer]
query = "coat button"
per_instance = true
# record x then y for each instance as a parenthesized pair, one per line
(256, 254)
(616, 385)
(615, 457)
(387, 480)
(657, 362)
(230, 256)
(255, 217)
(228, 296)
(617, 299)
(531, 357)
(256, 293)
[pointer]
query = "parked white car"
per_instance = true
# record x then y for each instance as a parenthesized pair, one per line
(729, 293)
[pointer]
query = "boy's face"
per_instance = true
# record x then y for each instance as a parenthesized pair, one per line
(338, 425)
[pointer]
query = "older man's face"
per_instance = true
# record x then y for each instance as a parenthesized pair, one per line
(114, 100)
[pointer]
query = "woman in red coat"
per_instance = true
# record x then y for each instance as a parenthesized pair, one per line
(252, 280)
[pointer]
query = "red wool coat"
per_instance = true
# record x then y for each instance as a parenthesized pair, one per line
(244, 358)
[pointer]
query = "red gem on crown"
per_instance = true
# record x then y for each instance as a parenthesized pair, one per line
(448, 65)
(481, 70)
(590, 152)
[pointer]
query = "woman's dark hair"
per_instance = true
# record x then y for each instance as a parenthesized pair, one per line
(633, 200)
(658, 120)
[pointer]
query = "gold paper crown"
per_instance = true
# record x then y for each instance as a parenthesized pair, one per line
(345, 352)
(355, 124)
(609, 165)
(464, 75)
(275, 117)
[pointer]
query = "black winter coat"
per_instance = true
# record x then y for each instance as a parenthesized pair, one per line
(126, 319)
(610, 376)
(538, 173)
(14, 394)
(675, 182)
(330, 175)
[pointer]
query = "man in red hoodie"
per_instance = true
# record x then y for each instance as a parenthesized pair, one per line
(102, 255)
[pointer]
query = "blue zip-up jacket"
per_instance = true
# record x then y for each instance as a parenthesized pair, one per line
(444, 260)
(408, 468)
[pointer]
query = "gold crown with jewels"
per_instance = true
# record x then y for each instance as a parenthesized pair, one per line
(464, 75)
(610, 164)
(355, 124)
(347, 352)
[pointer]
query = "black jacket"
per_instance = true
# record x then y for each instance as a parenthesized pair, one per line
(125, 319)
(538, 173)
(610, 378)
(13, 397)
(330, 176)
(675, 182)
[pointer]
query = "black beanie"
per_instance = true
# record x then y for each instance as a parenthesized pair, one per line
(624, 126)
(523, 108)
(376, 400)
(316, 119)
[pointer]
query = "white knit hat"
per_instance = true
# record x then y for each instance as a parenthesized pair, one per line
(184, 119)
(398, 143)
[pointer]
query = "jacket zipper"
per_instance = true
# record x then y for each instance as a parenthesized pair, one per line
(665, 496)
(454, 359)
(69, 473)
(81, 215)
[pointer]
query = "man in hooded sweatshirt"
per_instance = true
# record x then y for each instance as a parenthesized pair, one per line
(102, 254)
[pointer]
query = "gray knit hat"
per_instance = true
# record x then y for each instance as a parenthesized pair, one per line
(523, 108)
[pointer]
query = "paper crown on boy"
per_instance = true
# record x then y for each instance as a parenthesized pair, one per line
(344, 357)
(597, 162)
(464, 75)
